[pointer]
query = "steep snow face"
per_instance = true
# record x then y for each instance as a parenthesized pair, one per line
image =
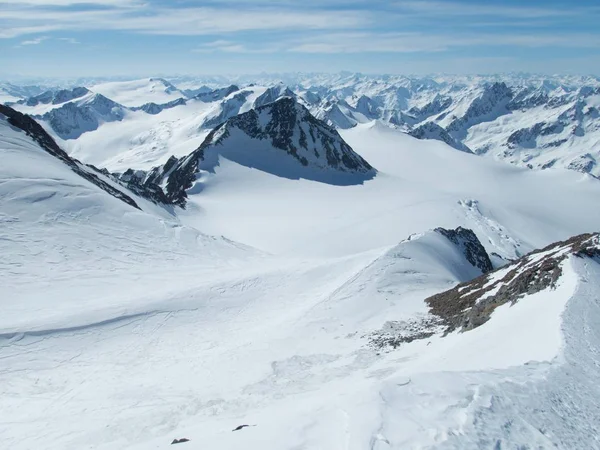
(138, 92)
(294, 350)
(396, 282)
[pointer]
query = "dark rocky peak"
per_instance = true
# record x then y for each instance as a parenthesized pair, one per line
(468, 243)
(292, 128)
(574, 113)
(141, 183)
(36, 132)
(583, 163)
(528, 97)
(431, 130)
(436, 106)
(272, 94)
(281, 138)
(65, 95)
(217, 94)
(490, 104)
(154, 108)
(56, 97)
(311, 98)
(367, 106)
(469, 305)
(496, 91)
(527, 137)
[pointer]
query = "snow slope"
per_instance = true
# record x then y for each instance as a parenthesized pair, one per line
(62, 232)
(420, 185)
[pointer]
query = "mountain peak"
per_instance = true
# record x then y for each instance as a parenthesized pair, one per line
(290, 127)
(281, 138)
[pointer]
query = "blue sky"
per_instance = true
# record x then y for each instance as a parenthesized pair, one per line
(150, 37)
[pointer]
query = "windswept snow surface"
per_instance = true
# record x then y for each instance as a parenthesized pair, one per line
(123, 328)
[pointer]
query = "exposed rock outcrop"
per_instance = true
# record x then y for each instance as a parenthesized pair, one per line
(469, 305)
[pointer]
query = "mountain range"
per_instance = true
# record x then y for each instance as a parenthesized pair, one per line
(531, 121)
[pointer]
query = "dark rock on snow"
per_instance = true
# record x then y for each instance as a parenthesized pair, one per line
(469, 305)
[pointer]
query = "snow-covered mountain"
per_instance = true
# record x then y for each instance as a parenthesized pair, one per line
(55, 97)
(281, 138)
(300, 292)
(138, 92)
(531, 121)
(87, 113)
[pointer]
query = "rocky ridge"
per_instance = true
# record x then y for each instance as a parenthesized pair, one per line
(34, 130)
(469, 305)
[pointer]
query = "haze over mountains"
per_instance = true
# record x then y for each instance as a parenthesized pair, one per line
(336, 261)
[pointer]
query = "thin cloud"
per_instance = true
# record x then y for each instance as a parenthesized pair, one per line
(178, 21)
(420, 42)
(234, 47)
(446, 8)
(63, 3)
(35, 41)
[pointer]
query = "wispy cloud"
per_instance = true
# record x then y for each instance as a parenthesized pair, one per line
(113, 3)
(34, 41)
(237, 47)
(177, 21)
(40, 39)
(297, 29)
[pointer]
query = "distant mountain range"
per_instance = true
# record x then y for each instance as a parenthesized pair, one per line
(531, 121)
